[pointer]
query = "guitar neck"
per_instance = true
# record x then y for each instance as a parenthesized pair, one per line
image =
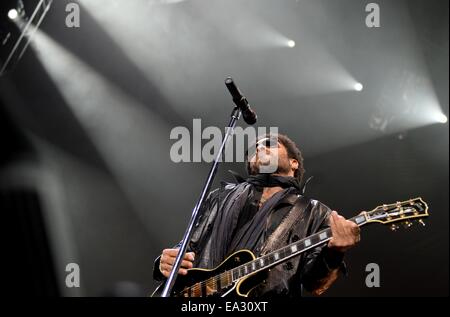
(412, 209)
(283, 254)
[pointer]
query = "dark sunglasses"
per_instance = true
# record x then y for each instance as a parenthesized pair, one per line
(271, 142)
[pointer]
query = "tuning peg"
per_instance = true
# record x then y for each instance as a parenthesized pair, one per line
(394, 227)
(421, 222)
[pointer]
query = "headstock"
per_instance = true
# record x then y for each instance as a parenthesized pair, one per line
(401, 212)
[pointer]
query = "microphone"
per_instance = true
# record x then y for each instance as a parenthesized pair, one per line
(247, 113)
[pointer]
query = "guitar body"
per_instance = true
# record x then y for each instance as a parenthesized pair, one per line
(189, 285)
(240, 273)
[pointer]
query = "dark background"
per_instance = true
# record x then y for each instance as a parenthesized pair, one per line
(86, 115)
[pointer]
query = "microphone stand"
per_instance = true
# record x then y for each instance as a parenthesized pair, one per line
(235, 115)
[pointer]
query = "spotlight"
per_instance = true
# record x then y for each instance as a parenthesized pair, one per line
(291, 43)
(13, 14)
(20, 28)
(442, 118)
(358, 87)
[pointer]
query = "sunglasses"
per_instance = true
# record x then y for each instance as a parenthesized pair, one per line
(271, 142)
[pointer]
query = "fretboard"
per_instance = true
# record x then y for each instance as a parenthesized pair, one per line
(275, 257)
(227, 278)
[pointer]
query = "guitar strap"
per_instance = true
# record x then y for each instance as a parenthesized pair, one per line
(279, 237)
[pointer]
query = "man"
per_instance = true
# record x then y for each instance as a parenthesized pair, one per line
(265, 212)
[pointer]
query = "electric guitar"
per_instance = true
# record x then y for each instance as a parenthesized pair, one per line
(242, 271)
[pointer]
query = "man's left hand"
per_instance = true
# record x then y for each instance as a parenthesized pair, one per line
(345, 233)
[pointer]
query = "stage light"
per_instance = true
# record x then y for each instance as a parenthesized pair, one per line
(358, 87)
(13, 14)
(291, 43)
(442, 118)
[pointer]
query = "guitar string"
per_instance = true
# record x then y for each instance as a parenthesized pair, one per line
(198, 286)
(228, 275)
(222, 276)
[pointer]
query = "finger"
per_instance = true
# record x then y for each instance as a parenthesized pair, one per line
(170, 252)
(357, 232)
(166, 273)
(184, 263)
(332, 218)
(165, 267)
(354, 226)
(333, 228)
(338, 218)
(187, 264)
(335, 222)
(182, 272)
(174, 253)
(190, 256)
(340, 222)
(168, 268)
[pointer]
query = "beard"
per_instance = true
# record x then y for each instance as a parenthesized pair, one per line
(265, 166)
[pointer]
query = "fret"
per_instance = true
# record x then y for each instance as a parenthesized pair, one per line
(274, 257)
(196, 290)
(219, 282)
(211, 286)
(203, 290)
(225, 279)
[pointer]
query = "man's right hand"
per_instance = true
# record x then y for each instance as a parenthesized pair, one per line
(168, 259)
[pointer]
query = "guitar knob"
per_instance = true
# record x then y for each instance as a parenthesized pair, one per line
(407, 224)
(421, 222)
(394, 227)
